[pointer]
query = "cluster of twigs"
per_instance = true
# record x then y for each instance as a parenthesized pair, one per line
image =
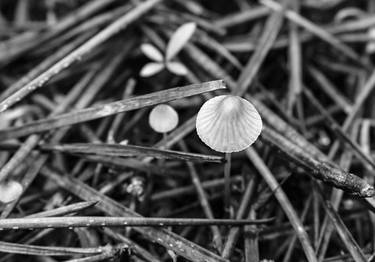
(97, 183)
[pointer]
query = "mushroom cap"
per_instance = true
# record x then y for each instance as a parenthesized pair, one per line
(10, 191)
(228, 123)
(163, 118)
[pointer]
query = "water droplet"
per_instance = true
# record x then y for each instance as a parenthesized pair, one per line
(16, 228)
(4, 107)
(70, 228)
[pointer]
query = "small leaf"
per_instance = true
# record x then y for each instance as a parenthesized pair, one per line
(152, 52)
(10, 191)
(177, 68)
(151, 69)
(179, 39)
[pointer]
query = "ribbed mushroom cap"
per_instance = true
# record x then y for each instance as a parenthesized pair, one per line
(163, 118)
(228, 123)
(10, 191)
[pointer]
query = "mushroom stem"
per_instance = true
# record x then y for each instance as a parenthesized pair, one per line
(227, 193)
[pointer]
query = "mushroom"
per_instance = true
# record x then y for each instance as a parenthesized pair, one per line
(227, 124)
(10, 191)
(163, 118)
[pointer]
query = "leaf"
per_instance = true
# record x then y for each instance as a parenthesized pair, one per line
(152, 52)
(177, 68)
(151, 69)
(179, 38)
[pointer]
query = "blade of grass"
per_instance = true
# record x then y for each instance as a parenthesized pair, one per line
(344, 233)
(69, 209)
(271, 30)
(77, 54)
(164, 237)
(234, 233)
(84, 221)
(6, 247)
(100, 111)
(330, 90)
(295, 62)
(284, 203)
(217, 238)
(316, 30)
(130, 151)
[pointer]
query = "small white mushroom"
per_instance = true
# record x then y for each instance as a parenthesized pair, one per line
(228, 123)
(163, 118)
(10, 191)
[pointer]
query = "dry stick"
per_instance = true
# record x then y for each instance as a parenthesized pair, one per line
(295, 63)
(77, 54)
(308, 149)
(320, 32)
(271, 30)
(163, 237)
(336, 196)
(101, 111)
(217, 238)
(320, 169)
(235, 232)
(284, 203)
(343, 231)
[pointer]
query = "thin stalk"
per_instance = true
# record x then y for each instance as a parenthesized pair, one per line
(227, 193)
(85, 221)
